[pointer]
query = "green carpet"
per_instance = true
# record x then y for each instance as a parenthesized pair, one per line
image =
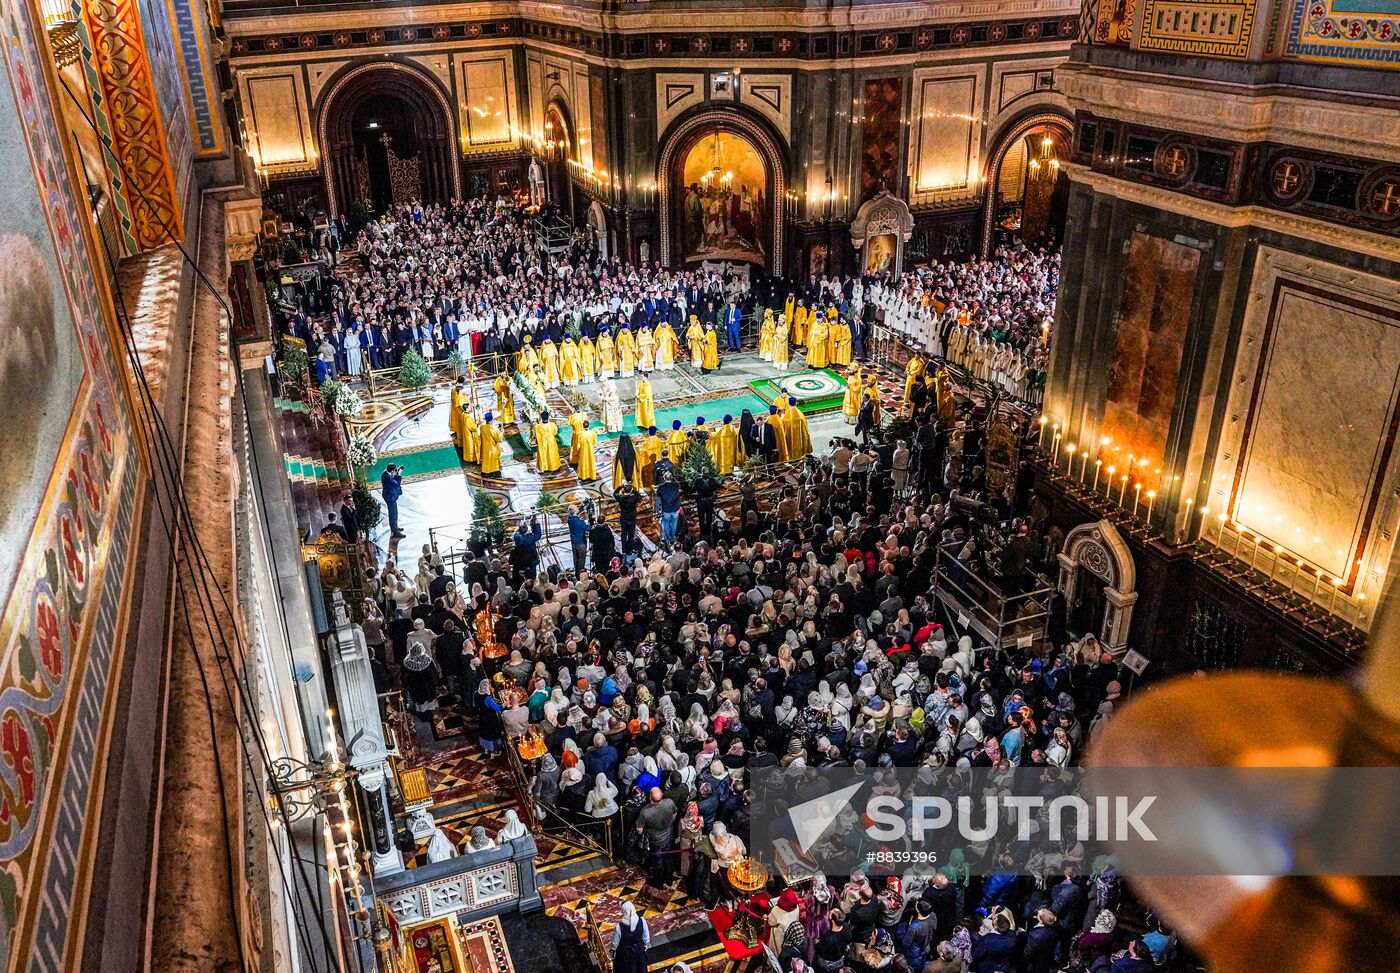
(770, 391)
(420, 462)
(519, 449)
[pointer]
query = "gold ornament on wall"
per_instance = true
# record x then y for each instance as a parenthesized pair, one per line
(62, 29)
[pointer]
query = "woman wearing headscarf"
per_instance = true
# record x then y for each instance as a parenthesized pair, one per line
(1096, 945)
(490, 727)
(689, 832)
(602, 799)
(440, 847)
(786, 934)
(512, 828)
(631, 939)
(748, 435)
(818, 903)
(420, 678)
(544, 789)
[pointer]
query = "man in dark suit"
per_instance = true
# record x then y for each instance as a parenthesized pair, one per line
(391, 483)
(350, 518)
(767, 437)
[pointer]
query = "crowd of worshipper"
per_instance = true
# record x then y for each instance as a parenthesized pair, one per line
(476, 277)
(991, 317)
(804, 635)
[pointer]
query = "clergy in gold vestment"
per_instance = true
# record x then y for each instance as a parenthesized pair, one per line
(646, 404)
(569, 369)
(490, 447)
(840, 343)
(913, 372)
(677, 444)
(816, 342)
(454, 411)
(799, 437)
(587, 360)
(855, 387)
(775, 422)
(646, 350)
(578, 421)
(782, 351)
(547, 446)
(587, 463)
(527, 357)
(470, 445)
(695, 339)
(666, 343)
(647, 455)
(765, 336)
(549, 361)
(711, 359)
(626, 352)
(607, 354)
(724, 446)
(505, 399)
(872, 391)
(797, 324)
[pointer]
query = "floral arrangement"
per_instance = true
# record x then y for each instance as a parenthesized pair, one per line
(339, 399)
(534, 404)
(361, 451)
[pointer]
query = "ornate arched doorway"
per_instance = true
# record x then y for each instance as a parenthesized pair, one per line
(1027, 188)
(723, 180)
(557, 152)
(386, 133)
(1098, 581)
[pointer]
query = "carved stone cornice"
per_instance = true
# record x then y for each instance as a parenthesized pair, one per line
(1341, 236)
(1307, 118)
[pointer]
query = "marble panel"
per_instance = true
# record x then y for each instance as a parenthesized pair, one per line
(1318, 433)
(947, 131)
(277, 118)
(676, 94)
(487, 108)
(1154, 311)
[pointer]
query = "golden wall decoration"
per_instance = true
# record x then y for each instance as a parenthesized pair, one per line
(138, 137)
(1205, 27)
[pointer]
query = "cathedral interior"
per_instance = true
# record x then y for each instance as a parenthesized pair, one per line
(491, 436)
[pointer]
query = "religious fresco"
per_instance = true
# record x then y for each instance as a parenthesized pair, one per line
(725, 205)
(1364, 31)
(67, 523)
(1154, 312)
(882, 127)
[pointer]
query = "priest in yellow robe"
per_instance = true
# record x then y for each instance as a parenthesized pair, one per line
(569, 369)
(765, 336)
(850, 403)
(872, 392)
(549, 362)
(789, 308)
(527, 357)
(505, 399)
(469, 443)
(587, 360)
(647, 455)
(816, 342)
(627, 465)
(586, 465)
(490, 447)
(677, 444)
(646, 404)
(695, 339)
(454, 410)
(578, 421)
(775, 423)
(607, 354)
(626, 352)
(711, 360)
(798, 435)
(914, 370)
(547, 446)
(646, 350)
(724, 446)
(798, 324)
(782, 350)
(666, 343)
(840, 343)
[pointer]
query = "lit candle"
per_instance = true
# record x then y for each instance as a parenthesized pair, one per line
(1098, 464)
(1278, 556)
(1055, 451)
(1190, 501)
(1123, 493)
(1258, 540)
(1069, 463)
(1360, 608)
(1137, 495)
(1152, 502)
(1336, 587)
(1042, 432)
(1317, 583)
(1297, 576)
(1108, 490)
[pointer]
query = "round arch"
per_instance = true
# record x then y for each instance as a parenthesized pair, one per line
(563, 148)
(679, 139)
(1018, 127)
(433, 119)
(1098, 548)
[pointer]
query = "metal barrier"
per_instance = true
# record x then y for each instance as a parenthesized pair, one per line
(999, 618)
(542, 815)
(596, 947)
